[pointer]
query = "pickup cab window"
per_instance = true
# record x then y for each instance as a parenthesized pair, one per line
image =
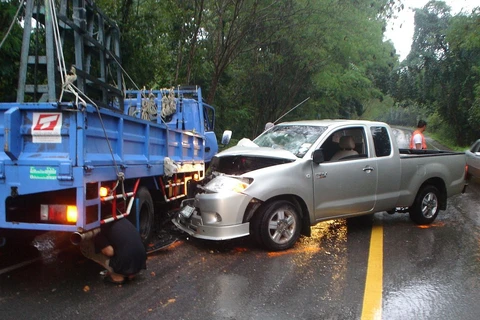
(345, 144)
(381, 141)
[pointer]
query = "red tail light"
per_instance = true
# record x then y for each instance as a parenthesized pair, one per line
(58, 213)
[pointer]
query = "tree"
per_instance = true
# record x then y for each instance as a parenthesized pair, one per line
(331, 51)
(460, 88)
(441, 71)
(257, 59)
(10, 49)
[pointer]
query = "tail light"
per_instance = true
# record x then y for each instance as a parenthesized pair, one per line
(104, 191)
(58, 213)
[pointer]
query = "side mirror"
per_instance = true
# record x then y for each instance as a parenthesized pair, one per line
(318, 156)
(227, 135)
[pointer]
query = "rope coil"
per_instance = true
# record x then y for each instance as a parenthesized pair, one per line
(149, 107)
(169, 105)
(120, 181)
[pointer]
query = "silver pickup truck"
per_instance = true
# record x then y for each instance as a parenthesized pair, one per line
(297, 174)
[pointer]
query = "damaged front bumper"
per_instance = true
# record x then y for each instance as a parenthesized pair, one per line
(214, 216)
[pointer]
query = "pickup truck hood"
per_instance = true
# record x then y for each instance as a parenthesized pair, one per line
(241, 159)
(257, 152)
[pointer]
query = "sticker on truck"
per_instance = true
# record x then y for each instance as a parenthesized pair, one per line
(46, 127)
(43, 173)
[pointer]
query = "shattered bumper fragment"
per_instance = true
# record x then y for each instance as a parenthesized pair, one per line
(214, 216)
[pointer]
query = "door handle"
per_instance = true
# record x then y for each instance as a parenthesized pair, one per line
(368, 169)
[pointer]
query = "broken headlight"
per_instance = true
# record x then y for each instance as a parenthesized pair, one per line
(228, 184)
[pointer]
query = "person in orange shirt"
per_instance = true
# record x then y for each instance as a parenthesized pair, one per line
(418, 140)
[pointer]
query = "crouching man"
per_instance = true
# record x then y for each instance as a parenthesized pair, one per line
(118, 248)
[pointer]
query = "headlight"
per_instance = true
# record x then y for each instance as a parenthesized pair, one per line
(228, 184)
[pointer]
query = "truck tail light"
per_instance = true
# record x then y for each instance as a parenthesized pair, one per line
(72, 214)
(103, 192)
(59, 213)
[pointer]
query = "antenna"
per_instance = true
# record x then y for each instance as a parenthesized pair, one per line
(291, 110)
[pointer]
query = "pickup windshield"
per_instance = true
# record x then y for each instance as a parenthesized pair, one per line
(294, 138)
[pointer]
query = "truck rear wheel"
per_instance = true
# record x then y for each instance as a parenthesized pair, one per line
(426, 206)
(144, 218)
(277, 225)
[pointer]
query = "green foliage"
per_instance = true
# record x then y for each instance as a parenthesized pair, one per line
(380, 110)
(440, 131)
(387, 110)
(257, 59)
(441, 73)
(10, 50)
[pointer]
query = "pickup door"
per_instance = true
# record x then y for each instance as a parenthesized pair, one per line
(348, 184)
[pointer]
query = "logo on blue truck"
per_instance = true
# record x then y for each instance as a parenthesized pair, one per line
(46, 127)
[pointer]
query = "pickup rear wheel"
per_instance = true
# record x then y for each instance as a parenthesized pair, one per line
(143, 219)
(426, 206)
(277, 225)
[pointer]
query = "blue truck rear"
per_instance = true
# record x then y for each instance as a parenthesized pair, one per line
(70, 168)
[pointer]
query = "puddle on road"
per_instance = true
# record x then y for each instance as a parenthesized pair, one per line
(425, 300)
(49, 245)
(45, 248)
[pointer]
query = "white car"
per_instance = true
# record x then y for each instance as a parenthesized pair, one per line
(473, 159)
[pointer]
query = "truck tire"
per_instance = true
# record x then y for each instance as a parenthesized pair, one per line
(145, 221)
(426, 206)
(277, 225)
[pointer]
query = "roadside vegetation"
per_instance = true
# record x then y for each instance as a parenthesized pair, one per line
(257, 59)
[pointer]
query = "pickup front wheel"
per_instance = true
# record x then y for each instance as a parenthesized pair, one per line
(277, 225)
(425, 208)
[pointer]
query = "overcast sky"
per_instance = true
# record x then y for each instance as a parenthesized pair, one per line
(400, 30)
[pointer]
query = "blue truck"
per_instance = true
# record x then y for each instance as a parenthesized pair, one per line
(94, 153)
(68, 169)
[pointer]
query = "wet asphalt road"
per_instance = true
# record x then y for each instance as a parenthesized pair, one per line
(428, 273)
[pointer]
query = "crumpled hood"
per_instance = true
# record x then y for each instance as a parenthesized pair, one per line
(257, 151)
(240, 159)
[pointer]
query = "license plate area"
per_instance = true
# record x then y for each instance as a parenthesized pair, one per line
(187, 211)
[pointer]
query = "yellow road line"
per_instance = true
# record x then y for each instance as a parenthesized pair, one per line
(372, 297)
